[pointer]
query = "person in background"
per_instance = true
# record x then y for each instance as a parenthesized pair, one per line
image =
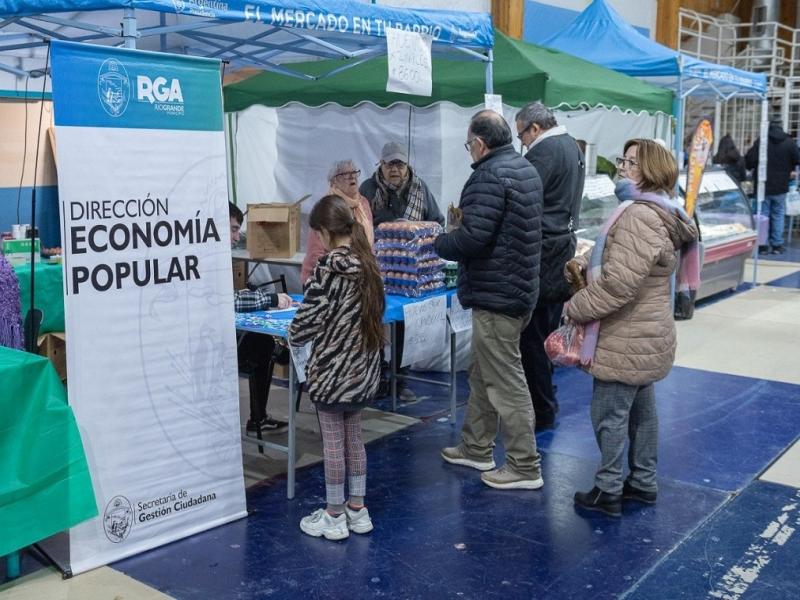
(343, 179)
(629, 340)
(255, 349)
(782, 158)
(342, 315)
(728, 156)
(561, 167)
(396, 192)
(497, 248)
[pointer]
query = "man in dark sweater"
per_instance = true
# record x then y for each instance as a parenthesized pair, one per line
(560, 165)
(782, 158)
(497, 248)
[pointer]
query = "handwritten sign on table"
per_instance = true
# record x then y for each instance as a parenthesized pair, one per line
(409, 62)
(426, 330)
(300, 356)
(460, 318)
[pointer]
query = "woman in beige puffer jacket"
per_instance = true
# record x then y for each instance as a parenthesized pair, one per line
(636, 343)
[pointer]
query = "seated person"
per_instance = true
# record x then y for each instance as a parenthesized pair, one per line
(255, 350)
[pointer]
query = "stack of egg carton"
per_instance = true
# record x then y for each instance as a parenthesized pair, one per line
(408, 262)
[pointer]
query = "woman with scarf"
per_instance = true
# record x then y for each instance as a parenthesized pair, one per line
(396, 192)
(343, 179)
(630, 336)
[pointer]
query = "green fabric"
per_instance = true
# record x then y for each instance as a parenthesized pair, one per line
(522, 73)
(49, 294)
(45, 486)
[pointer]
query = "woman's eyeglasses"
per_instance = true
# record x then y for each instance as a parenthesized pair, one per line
(349, 174)
(626, 163)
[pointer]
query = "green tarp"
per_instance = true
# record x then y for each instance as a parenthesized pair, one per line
(45, 486)
(49, 294)
(522, 72)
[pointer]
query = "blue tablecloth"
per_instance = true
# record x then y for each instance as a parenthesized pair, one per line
(277, 322)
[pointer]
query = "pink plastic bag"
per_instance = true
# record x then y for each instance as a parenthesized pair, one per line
(563, 346)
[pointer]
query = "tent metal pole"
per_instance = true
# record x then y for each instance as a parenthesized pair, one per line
(717, 124)
(490, 73)
(129, 32)
(678, 112)
(762, 175)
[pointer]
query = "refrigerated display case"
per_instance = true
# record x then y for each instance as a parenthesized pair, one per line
(727, 232)
(723, 216)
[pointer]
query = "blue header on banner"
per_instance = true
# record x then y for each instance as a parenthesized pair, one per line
(98, 86)
(322, 16)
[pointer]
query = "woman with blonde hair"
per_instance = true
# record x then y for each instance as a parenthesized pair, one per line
(626, 307)
(343, 179)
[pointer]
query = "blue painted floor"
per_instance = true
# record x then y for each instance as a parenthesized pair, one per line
(440, 533)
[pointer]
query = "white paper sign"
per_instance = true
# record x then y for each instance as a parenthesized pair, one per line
(460, 318)
(426, 330)
(493, 102)
(300, 356)
(409, 62)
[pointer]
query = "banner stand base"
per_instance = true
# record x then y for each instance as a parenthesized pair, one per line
(56, 550)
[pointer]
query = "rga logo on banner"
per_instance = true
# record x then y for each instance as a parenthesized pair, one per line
(165, 97)
(118, 519)
(200, 8)
(113, 87)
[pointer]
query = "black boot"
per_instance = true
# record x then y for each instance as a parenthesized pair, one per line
(597, 499)
(630, 492)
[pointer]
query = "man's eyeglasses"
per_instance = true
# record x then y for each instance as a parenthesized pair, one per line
(468, 143)
(522, 133)
(396, 164)
(349, 174)
(626, 163)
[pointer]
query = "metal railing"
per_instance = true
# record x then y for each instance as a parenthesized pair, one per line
(770, 48)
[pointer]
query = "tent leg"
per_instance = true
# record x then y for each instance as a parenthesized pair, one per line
(490, 73)
(129, 32)
(762, 174)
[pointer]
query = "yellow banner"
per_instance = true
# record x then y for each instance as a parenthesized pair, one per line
(702, 142)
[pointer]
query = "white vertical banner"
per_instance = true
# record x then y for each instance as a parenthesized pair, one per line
(409, 60)
(425, 330)
(152, 369)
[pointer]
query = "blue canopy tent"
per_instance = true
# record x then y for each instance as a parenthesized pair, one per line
(256, 33)
(600, 35)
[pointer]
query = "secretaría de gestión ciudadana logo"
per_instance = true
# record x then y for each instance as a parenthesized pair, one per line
(114, 89)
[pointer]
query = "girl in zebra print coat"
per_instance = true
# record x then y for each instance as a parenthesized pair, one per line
(341, 315)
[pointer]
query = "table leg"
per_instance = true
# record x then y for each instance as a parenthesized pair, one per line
(452, 377)
(292, 432)
(12, 565)
(393, 365)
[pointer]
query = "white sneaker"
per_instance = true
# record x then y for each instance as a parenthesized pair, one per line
(321, 523)
(358, 521)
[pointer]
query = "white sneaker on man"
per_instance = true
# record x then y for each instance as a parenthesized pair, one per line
(322, 523)
(358, 521)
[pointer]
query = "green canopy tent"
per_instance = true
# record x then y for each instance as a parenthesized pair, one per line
(522, 72)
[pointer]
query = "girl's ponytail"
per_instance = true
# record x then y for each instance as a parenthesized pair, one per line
(372, 298)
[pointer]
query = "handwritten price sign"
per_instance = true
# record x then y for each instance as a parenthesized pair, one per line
(409, 62)
(426, 330)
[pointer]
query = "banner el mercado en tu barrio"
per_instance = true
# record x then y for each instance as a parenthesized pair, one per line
(151, 347)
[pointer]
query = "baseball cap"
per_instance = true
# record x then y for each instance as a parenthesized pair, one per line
(394, 151)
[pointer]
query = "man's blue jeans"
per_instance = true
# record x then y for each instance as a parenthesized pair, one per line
(775, 208)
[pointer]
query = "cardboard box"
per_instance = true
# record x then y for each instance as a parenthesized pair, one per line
(273, 230)
(18, 252)
(239, 275)
(54, 346)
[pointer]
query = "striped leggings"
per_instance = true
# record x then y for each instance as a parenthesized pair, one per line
(344, 454)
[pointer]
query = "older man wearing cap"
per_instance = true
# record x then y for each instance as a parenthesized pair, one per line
(395, 192)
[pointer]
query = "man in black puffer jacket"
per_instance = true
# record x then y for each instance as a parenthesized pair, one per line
(560, 164)
(497, 246)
